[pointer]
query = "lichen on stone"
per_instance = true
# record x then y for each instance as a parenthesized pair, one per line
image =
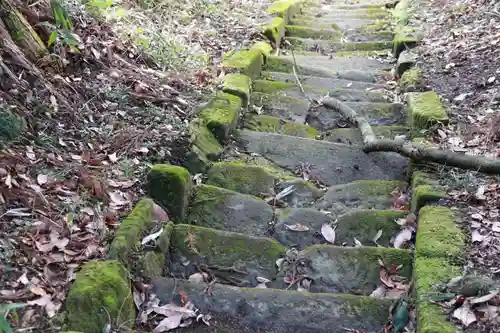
(170, 185)
(264, 123)
(100, 295)
(241, 177)
(239, 85)
(128, 235)
(425, 110)
(438, 235)
(221, 114)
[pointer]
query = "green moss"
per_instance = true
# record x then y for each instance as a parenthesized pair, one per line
(130, 231)
(364, 225)
(431, 319)
(423, 178)
(11, 124)
(425, 110)
(352, 135)
(152, 264)
(272, 86)
(163, 241)
(203, 210)
(276, 64)
(226, 248)
(371, 187)
(204, 147)
(359, 53)
(100, 295)
(240, 177)
(239, 85)
(430, 272)
(306, 32)
(264, 123)
(263, 47)
(275, 30)
(411, 77)
(404, 38)
(170, 185)
(426, 194)
(247, 62)
(221, 115)
(284, 8)
(438, 236)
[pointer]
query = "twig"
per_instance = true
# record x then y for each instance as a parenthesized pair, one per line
(413, 151)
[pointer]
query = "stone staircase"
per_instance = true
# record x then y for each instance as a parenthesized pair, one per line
(282, 143)
(245, 244)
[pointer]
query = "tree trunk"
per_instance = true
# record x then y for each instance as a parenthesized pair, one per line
(21, 32)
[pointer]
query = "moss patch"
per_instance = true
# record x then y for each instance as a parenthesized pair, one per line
(404, 38)
(423, 178)
(163, 241)
(263, 123)
(426, 194)
(272, 86)
(431, 319)
(264, 48)
(306, 32)
(425, 110)
(284, 8)
(406, 60)
(411, 78)
(275, 30)
(11, 124)
(430, 272)
(239, 85)
(204, 147)
(101, 292)
(247, 62)
(226, 248)
(222, 114)
(438, 236)
(240, 177)
(364, 225)
(170, 185)
(152, 264)
(129, 233)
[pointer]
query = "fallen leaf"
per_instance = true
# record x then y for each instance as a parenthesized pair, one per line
(297, 227)
(465, 314)
(113, 158)
(485, 298)
(328, 232)
(168, 324)
(357, 243)
(198, 277)
(476, 236)
(151, 237)
(287, 191)
(377, 236)
(403, 237)
(42, 179)
(118, 199)
(379, 292)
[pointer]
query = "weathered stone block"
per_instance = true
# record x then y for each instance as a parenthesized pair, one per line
(221, 115)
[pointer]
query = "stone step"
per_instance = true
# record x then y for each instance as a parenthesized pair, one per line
(291, 89)
(360, 224)
(353, 135)
(322, 82)
(253, 310)
(270, 124)
(352, 270)
(342, 23)
(326, 162)
(328, 46)
(338, 68)
(354, 8)
(325, 119)
(367, 33)
(362, 194)
(261, 180)
(250, 256)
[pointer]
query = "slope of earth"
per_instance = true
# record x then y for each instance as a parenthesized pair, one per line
(108, 92)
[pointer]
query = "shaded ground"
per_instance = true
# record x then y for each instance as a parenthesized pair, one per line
(459, 56)
(125, 97)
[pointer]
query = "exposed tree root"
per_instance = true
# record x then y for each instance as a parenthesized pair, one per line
(416, 152)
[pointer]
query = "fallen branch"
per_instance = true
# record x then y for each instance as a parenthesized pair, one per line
(414, 151)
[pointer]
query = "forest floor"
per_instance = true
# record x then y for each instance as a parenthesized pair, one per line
(122, 99)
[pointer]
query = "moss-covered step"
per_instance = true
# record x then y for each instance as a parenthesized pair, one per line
(353, 270)
(368, 71)
(353, 135)
(241, 177)
(303, 194)
(324, 119)
(290, 89)
(253, 310)
(328, 46)
(411, 80)
(222, 209)
(363, 194)
(100, 294)
(270, 124)
(330, 163)
(308, 32)
(250, 256)
(321, 82)
(203, 147)
(336, 23)
(425, 110)
(360, 224)
(343, 11)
